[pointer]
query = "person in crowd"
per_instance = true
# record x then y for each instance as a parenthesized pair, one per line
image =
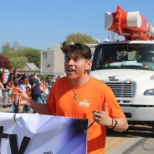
(28, 92)
(42, 90)
(48, 86)
(7, 92)
(78, 95)
(1, 88)
(16, 76)
(25, 75)
(35, 88)
(23, 86)
(0, 74)
(15, 103)
(3, 76)
(15, 70)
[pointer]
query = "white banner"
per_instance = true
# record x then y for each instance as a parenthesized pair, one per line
(42, 134)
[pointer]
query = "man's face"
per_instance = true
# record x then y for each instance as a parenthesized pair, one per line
(76, 66)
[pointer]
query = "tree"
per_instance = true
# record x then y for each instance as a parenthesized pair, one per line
(6, 49)
(5, 63)
(33, 56)
(18, 62)
(80, 38)
(19, 55)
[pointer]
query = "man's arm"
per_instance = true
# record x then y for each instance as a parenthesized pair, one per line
(33, 86)
(37, 107)
(118, 124)
(103, 118)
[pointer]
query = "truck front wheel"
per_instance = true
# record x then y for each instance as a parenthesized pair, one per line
(153, 126)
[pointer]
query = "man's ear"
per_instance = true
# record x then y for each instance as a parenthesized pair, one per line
(89, 64)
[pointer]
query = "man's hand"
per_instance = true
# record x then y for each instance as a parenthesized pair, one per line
(22, 97)
(102, 117)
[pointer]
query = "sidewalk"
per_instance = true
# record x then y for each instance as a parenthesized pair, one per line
(8, 109)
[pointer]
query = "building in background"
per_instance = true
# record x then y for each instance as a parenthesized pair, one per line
(52, 60)
(31, 68)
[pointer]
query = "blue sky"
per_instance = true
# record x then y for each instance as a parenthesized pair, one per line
(40, 24)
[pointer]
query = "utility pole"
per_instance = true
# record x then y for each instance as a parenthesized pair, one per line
(113, 36)
(41, 61)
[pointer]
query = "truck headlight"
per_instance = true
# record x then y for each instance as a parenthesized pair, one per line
(149, 92)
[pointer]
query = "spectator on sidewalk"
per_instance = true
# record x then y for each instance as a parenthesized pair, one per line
(7, 92)
(23, 86)
(42, 90)
(1, 88)
(15, 103)
(35, 88)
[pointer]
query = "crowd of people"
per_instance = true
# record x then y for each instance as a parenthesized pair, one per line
(35, 87)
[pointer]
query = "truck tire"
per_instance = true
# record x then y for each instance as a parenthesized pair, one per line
(153, 126)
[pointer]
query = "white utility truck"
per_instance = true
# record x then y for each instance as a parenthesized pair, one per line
(127, 66)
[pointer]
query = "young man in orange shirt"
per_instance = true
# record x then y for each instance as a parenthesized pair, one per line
(80, 96)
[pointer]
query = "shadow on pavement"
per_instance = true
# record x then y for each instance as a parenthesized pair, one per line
(134, 131)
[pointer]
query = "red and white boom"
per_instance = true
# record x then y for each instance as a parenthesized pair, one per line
(131, 25)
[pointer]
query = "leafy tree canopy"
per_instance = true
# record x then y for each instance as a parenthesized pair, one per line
(19, 55)
(18, 62)
(33, 56)
(5, 63)
(80, 38)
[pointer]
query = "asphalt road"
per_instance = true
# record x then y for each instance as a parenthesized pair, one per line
(139, 139)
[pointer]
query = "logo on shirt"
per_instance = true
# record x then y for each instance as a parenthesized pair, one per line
(84, 103)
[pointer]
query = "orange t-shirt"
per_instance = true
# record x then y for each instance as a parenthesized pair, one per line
(14, 91)
(91, 96)
(42, 87)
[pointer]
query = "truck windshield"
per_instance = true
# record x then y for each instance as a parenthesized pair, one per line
(110, 56)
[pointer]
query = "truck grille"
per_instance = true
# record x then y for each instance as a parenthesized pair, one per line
(122, 89)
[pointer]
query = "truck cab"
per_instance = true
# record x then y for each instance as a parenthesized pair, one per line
(127, 67)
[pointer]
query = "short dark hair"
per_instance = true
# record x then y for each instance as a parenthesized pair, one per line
(77, 49)
(15, 83)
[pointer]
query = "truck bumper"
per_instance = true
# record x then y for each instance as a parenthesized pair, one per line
(139, 113)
